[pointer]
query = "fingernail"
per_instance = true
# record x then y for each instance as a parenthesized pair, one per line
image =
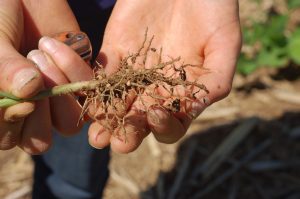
(198, 107)
(158, 116)
(49, 44)
(96, 147)
(196, 110)
(39, 58)
(22, 78)
(95, 138)
(206, 101)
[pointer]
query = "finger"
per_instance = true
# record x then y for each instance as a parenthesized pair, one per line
(99, 137)
(17, 74)
(36, 135)
(170, 114)
(65, 110)
(19, 77)
(9, 133)
(69, 62)
(40, 22)
(125, 133)
(167, 125)
(129, 136)
(164, 125)
(125, 138)
(36, 16)
(131, 132)
(125, 130)
(108, 114)
(18, 112)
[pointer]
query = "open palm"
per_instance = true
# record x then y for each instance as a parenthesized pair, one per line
(203, 33)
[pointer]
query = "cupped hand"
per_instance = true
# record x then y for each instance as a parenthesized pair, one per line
(203, 33)
(29, 125)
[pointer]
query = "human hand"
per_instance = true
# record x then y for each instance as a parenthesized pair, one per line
(28, 125)
(203, 33)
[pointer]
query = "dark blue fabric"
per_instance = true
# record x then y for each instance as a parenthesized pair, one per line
(72, 169)
(105, 3)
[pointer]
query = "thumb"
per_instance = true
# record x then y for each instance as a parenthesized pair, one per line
(17, 74)
(19, 77)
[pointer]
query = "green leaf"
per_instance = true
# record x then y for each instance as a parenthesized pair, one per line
(293, 4)
(268, 34)
(276, 49)
(275, 57)
(294, 47)
(274, 30)
(246, 66)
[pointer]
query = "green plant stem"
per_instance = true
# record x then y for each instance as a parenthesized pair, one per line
(9, 99)
(8, 95)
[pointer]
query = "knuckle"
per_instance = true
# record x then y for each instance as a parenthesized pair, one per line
(9, 37)
(6, 145)
(35, 149)
(9, 133)
(5, 70)
(7, 140)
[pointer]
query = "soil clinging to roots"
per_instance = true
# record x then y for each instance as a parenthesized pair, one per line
(133, 79)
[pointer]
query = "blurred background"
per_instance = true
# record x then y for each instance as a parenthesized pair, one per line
(246, 146)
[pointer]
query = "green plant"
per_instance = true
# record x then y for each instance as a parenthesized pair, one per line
(270, 44)
(293, 4)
